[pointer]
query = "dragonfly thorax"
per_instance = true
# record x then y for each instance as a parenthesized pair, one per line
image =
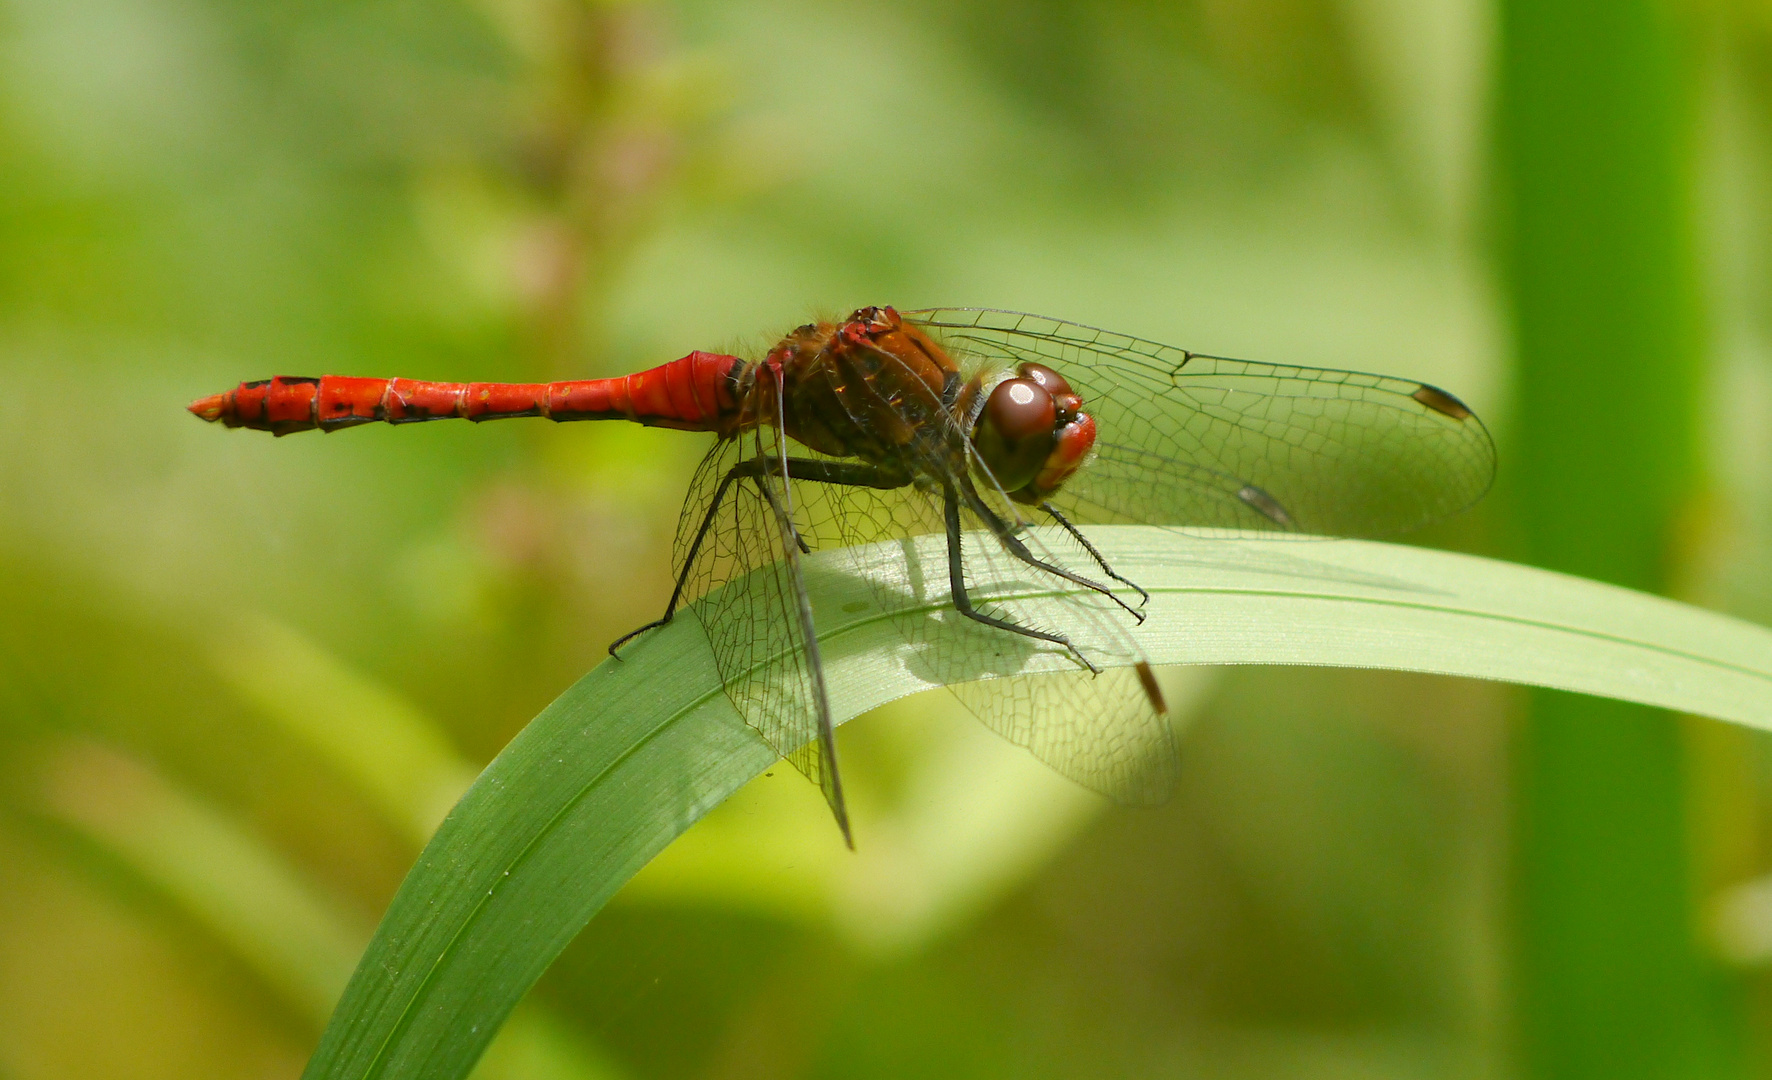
(870, 387)
(879, 388)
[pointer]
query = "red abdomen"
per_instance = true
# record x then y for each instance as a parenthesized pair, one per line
(695, 393)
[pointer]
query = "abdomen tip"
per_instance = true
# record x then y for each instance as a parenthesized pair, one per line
(211, 408)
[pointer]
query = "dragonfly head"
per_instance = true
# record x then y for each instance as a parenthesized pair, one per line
(1032, 433)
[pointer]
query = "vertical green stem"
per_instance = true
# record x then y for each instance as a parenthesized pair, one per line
(1596, 153)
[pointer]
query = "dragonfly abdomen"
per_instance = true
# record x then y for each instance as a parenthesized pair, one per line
(695, 393)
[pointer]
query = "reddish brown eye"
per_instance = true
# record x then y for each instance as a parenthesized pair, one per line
(1019, 409)
(1064, 399)
(1016, 432)
(1046, 377)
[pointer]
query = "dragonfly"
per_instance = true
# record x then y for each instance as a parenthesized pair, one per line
(972, 426)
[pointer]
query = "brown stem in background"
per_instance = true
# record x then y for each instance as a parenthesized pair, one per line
(593, 157)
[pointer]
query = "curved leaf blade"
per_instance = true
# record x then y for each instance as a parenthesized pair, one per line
(638, 750)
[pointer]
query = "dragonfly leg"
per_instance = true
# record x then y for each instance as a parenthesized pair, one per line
(1077, 535)
(847, 473)
(843, 473)
(963, 602)
(1006, 534)
(840, 473)
(701, 533)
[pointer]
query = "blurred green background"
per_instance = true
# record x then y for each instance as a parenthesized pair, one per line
(242, 678)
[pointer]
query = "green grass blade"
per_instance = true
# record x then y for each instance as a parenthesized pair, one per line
(1601, 124)
(638, 750)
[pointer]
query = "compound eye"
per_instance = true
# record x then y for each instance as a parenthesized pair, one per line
(1046, 377)
(1020, 409)
(1017, 432)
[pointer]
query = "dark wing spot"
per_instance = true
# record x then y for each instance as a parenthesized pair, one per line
(1441, 402)
(1152, 692)
(1269, 506)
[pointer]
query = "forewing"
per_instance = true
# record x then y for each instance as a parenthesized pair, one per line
(747, 572)
(1185, 439)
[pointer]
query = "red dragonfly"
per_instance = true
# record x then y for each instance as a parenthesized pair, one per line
(971, 424)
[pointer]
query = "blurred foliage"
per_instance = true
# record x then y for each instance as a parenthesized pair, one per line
(195, 192)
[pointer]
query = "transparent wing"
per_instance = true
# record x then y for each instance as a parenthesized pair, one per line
(1191, 440)
(1100, 728)
(1108, 729)
(737, 529)
(1104, 729)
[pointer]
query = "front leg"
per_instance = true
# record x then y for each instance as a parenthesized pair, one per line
(1077, 535)
(1005, 533)
(963, 602)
